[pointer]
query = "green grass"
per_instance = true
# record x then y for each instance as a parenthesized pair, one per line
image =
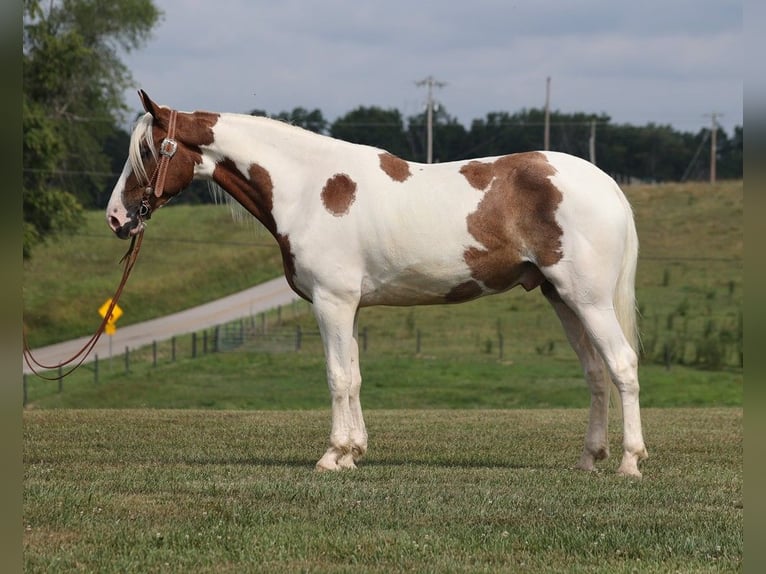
(209, 467)
(269, 381)
(440, 491)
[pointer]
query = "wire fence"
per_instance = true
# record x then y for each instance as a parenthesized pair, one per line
(686, 324)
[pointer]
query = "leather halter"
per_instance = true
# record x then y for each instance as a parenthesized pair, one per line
(156, 184)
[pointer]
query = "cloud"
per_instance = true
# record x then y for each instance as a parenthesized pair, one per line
(638, 62)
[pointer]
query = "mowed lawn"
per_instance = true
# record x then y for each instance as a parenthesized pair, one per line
(440, 491)
(206, 465)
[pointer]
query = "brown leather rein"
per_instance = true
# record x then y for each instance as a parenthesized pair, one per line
(155, 186)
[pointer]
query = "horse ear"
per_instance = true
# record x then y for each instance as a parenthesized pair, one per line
(149, 105)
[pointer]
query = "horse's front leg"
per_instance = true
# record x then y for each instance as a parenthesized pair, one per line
(348, 438)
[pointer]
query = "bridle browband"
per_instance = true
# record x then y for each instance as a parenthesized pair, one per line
(155, 186)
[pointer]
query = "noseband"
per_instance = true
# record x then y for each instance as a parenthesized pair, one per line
(156, 184)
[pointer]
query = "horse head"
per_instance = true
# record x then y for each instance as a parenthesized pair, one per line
(165, 150)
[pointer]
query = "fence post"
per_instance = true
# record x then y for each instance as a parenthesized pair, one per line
(173, 349)
(154, 353)
(417, 343)
(194, 345)
(204, 342)
(263, 322)
(95, 368)
(217, 339)
(298, 337)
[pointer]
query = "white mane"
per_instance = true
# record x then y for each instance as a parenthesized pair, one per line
(142, 133)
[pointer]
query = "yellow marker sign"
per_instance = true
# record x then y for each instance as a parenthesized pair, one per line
(110, 327)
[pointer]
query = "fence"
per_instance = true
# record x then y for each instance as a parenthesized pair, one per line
(685, 324)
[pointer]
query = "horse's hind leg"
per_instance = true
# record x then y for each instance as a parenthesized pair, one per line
(596, 439)
(591, 299)
(606, 334)
(603, 329)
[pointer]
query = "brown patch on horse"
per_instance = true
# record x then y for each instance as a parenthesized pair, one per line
(255, 192)
(514, 222)
(193, 130)
(395, 167)
(288, 262)
(464, 292)
(478, 174)
(338, 194)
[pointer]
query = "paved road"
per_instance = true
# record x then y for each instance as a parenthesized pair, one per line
(257, 299)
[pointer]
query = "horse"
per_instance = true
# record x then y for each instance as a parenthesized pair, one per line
(358, 226)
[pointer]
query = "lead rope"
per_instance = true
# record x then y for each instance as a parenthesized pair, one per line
(168, 148)
(79, 357)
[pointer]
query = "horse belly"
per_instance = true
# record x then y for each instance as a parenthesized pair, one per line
(413, 285)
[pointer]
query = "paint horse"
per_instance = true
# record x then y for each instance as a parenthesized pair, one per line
(358, 226)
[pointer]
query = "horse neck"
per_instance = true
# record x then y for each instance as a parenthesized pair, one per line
(253, 158)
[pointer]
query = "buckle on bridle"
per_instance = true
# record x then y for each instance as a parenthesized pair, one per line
(168, 147)
(145, 210)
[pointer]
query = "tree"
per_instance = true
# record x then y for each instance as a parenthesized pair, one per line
(449, 136)
(311, 120)
(373, 126)
(73, 82)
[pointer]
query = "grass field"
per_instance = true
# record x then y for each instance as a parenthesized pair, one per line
(206, 464)
(440, 491)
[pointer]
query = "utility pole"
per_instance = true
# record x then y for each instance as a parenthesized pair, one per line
(431, 83)
(547, 135)
(713, 150)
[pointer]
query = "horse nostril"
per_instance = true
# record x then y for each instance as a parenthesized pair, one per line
(114, 223)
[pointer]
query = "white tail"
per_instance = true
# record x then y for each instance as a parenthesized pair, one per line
(625, 293)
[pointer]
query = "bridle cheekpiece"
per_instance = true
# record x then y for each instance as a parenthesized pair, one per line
(156, 185)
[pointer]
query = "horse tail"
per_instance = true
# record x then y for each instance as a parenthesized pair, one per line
(625, 291)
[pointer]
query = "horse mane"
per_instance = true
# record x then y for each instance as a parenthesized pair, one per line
(142, 134)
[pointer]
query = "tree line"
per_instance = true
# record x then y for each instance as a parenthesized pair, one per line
(74, 146)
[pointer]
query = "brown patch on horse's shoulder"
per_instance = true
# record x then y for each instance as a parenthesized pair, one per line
(254, 190)
(515, 222)
(478, 174)
(395, 167)
(261, 179)
(338, 194)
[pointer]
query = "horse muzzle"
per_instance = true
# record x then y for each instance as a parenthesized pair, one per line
(126, 229)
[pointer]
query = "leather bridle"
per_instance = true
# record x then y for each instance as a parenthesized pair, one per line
(156, 184)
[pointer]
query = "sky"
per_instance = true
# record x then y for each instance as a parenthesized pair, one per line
(668, 62)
